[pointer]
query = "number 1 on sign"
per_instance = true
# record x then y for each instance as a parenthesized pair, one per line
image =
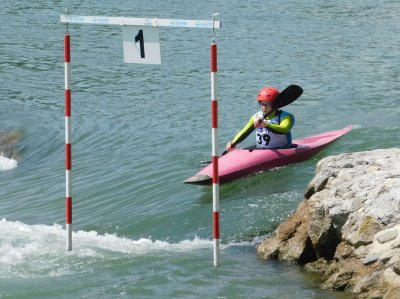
(141, 44)
(139, 38)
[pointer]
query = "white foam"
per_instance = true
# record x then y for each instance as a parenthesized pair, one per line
(6, 164)
(39, 250)
(143, 246)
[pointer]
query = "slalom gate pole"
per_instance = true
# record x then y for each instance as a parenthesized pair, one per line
(68, 146)
(214, 131)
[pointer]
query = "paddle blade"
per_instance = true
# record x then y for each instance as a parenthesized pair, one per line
(288, 96)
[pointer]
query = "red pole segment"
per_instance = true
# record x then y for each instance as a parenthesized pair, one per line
(68, 145)
(214, 131)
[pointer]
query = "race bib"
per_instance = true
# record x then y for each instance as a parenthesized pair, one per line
(267, 139)
(263, 139)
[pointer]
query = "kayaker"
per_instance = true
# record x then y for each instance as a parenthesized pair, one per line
(273, 126)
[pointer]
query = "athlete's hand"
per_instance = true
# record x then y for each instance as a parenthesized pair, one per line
(229, 146)
(259, 123)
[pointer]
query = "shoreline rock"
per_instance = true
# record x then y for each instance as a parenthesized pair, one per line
(8, 144)
(347, 229)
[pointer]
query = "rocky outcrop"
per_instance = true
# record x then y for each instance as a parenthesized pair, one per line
(8, 143)
(347, 229)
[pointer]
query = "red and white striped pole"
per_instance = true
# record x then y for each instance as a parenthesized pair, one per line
(214, 131)
(68, 147)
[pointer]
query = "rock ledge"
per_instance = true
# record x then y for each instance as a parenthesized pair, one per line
(347, 229)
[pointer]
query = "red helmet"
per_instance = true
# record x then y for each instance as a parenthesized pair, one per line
(268, 94)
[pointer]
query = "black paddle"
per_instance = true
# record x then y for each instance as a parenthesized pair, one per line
(208, 162)
(288, 96)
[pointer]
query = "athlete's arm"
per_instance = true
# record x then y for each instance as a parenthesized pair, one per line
(244, 132)
(284, 127)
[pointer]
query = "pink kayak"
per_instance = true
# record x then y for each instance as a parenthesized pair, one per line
(244, 162)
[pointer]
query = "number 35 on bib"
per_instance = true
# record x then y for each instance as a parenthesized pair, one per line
(141, 44)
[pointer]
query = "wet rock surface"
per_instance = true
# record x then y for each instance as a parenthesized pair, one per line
(347, 229)
(8, 144)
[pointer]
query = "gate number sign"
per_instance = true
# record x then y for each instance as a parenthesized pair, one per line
(141, 38)
(141, 44)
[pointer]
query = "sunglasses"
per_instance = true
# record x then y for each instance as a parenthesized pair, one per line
(265, 104)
